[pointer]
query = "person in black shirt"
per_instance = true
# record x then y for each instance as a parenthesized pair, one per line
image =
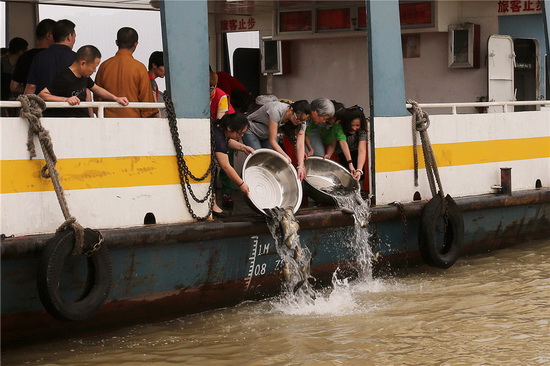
(227, 131)
(44, 39)
(71, 84)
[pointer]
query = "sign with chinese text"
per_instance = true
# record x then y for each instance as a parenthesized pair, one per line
(510, 7)
(237, 24)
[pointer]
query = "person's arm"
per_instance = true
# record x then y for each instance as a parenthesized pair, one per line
(16, 88)
(30, 89)
(223, 161)
(106, 95)
(49, 97)
(273, 131)
(237, 146)
(330, 150)
(349, 163)
(309, 147)
(223, 107)
(361, 159)
(300, 168)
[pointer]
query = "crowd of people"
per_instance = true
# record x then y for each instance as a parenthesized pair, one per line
(56, 73)
(295, 129)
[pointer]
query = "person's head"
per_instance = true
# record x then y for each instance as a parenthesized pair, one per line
(354, 120)
(301, 110)
(17, 46)
(156, 64)
(339, 111)
(233, 125)
(127, 38)
(44, 30)
(87, 60)
(63, 32)
(213, 83)
(322, 110)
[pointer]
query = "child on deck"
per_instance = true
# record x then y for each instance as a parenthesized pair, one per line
(71, 85)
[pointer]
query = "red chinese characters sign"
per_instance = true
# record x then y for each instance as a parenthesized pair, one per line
(519, 6)
(237, 24)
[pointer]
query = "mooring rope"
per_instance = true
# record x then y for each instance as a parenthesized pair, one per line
(32, 107)
(420, 123)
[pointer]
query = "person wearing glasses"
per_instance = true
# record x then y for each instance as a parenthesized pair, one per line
(322, 111)
(227, 132)
(274, 117)
(322, 134)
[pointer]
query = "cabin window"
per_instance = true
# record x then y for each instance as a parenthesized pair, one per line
(464, 44)
(362, 17)
(333, 19)
(416, 14)
(296, 21)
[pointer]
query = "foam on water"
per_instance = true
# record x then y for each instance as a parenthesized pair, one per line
(341, 299)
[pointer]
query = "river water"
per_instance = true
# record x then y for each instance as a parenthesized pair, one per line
(489, 309)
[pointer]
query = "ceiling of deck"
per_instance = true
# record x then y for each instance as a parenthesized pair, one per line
(214, 6)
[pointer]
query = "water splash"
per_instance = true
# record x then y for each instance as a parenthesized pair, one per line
(360, 240)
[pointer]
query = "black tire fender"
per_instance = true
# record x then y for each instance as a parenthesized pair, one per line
(50, 273)
(441, 250)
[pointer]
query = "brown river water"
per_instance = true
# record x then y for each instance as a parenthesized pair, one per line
(491, 309)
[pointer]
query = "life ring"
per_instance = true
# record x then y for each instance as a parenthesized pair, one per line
(440, 243)
(51, 274)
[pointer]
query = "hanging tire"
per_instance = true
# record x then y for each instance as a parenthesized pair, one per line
(440, 244)
(56, 255)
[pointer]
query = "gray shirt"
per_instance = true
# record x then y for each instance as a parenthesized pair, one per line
(259, 120)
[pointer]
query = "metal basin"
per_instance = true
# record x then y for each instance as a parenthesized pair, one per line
(272, 180)
(324, 175)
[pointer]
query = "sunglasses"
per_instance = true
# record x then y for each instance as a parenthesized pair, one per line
(355, 107)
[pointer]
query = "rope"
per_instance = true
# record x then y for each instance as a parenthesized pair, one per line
(32, 108)
(420, 123)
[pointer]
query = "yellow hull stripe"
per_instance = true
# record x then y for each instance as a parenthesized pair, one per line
(392, 159)
(19, 176)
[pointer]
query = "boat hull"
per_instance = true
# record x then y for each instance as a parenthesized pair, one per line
(162, 272)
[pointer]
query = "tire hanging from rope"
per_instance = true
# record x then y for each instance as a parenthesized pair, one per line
(441, 231)
(184, 172)
(70, 237)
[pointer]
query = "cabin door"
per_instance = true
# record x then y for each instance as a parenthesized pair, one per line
(501, 61)
(526, 72)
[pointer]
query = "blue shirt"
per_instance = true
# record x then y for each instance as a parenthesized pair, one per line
(48, 64)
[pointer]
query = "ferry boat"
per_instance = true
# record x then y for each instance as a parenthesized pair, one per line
(477, 67)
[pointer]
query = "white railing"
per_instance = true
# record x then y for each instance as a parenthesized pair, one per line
(99, 105)
(452, 106)
(504, 105)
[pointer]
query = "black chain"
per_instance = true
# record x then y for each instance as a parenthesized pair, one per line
(184, 172)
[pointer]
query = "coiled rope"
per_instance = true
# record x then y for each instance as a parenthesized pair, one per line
(32, 107)
(420, 123)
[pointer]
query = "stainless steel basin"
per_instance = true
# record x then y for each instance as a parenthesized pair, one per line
(326, 178)
(272, 180)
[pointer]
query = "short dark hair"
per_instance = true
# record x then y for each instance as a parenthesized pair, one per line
(17, 44)
(301, 107)
(126, 37)
(61, 29)
(234, 122)
(156, 58)
(43, 28)
(87, 53)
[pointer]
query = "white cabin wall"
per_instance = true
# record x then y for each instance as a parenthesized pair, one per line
(315, 74)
